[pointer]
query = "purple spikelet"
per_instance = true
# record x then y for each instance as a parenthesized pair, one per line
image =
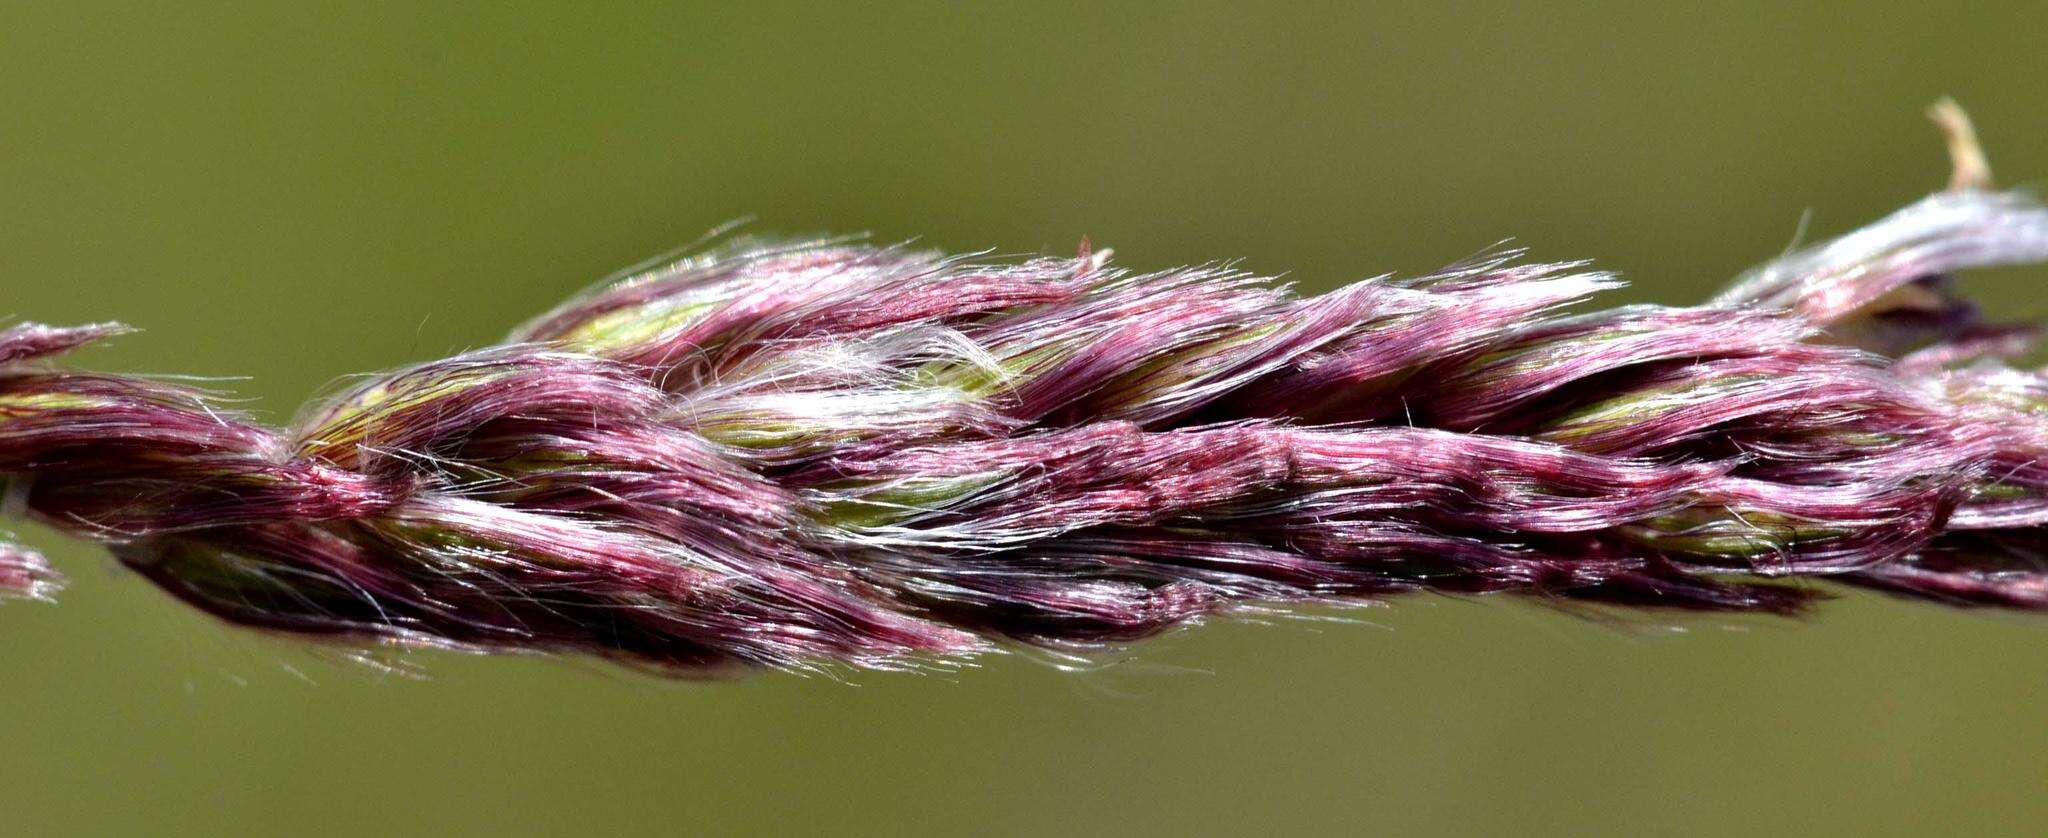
(796, 455)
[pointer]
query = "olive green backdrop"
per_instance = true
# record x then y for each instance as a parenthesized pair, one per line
(296, 192)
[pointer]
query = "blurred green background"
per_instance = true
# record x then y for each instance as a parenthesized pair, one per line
(297, 192)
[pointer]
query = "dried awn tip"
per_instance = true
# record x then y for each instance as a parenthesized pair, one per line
(799, 455)
(1970, 168)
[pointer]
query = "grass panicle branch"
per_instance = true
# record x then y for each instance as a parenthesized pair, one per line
(800, 455)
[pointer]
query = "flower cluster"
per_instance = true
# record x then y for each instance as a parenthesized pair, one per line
(793, 455)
